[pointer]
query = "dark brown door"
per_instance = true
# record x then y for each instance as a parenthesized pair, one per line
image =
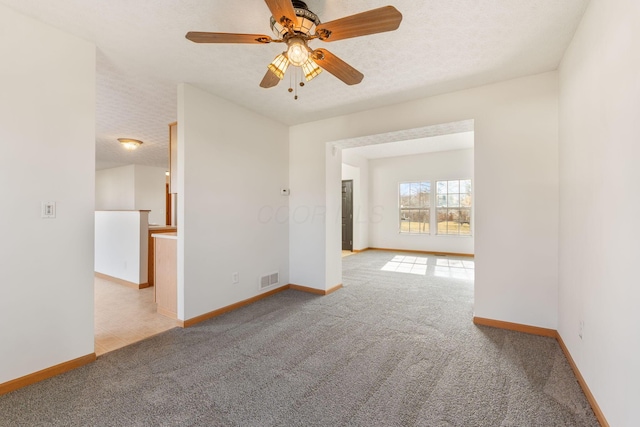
(347, 215)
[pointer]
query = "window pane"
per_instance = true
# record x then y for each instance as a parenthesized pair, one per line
(404, 188)
(419, 221)
(465, 186)
(414, 201)
(465, 222)
(425, 189)
(415, 189)
(465, 200)
(405, 194)
(404, 221)
(453, 221)
(414, 221)
(454, 207)
(425, 221)
(442, 221)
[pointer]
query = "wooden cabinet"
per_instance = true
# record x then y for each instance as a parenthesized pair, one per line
(151, 270)
(173, 158)
(166, 274)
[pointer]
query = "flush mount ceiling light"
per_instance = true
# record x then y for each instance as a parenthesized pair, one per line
(130, 144)
(295, 25)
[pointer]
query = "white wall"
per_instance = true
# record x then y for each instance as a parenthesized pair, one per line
(133, 187)
(122, 245)
(516, 190)
(385, 175)
(356, 167)
(307, 206)
(599, 205)
(47, 116)
(115, 188)
(231, 216)
(333, 215)
(150, 192)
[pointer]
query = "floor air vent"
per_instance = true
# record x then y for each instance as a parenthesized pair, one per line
(269, 280)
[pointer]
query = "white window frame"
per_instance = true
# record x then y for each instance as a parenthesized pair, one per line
(459, 206)
(424, 207)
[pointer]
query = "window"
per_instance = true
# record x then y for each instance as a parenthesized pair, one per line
(415, 207)
(454, 207)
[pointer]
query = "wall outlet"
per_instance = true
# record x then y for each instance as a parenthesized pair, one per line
(235, 277)
(581, 329)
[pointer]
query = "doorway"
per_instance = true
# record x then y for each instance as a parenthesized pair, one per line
(436, 154)
(124, 315)
(124, 303)
(347, 215)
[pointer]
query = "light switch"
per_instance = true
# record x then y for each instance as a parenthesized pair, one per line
(48, 209)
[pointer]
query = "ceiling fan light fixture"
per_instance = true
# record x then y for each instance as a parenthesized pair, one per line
(278, 29)
(279, 65)
(310, 69)
(130, 144)
(305, 25)
(306, 21)
(297, 52)
(297, 26)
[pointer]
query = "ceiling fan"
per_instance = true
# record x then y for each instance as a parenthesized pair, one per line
(295, 25)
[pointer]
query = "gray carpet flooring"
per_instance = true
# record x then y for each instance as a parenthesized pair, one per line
(389, 349)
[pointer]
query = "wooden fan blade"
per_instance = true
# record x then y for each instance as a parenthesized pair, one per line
(379, 20)
(281, 9)
(269, 80)
(337, 67)
(199, 37)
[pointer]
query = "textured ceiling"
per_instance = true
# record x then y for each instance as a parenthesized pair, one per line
(427, 139)
(407, 134)
(441, 46)
(408, 147)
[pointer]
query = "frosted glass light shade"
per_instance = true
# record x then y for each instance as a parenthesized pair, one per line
(130, 144)
(279, 66)
(298, 52)
(310, 69)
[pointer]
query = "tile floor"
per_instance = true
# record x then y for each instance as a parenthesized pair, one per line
(347, 253)
(124, 316)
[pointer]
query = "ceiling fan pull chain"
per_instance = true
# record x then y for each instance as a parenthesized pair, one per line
(290, 82)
